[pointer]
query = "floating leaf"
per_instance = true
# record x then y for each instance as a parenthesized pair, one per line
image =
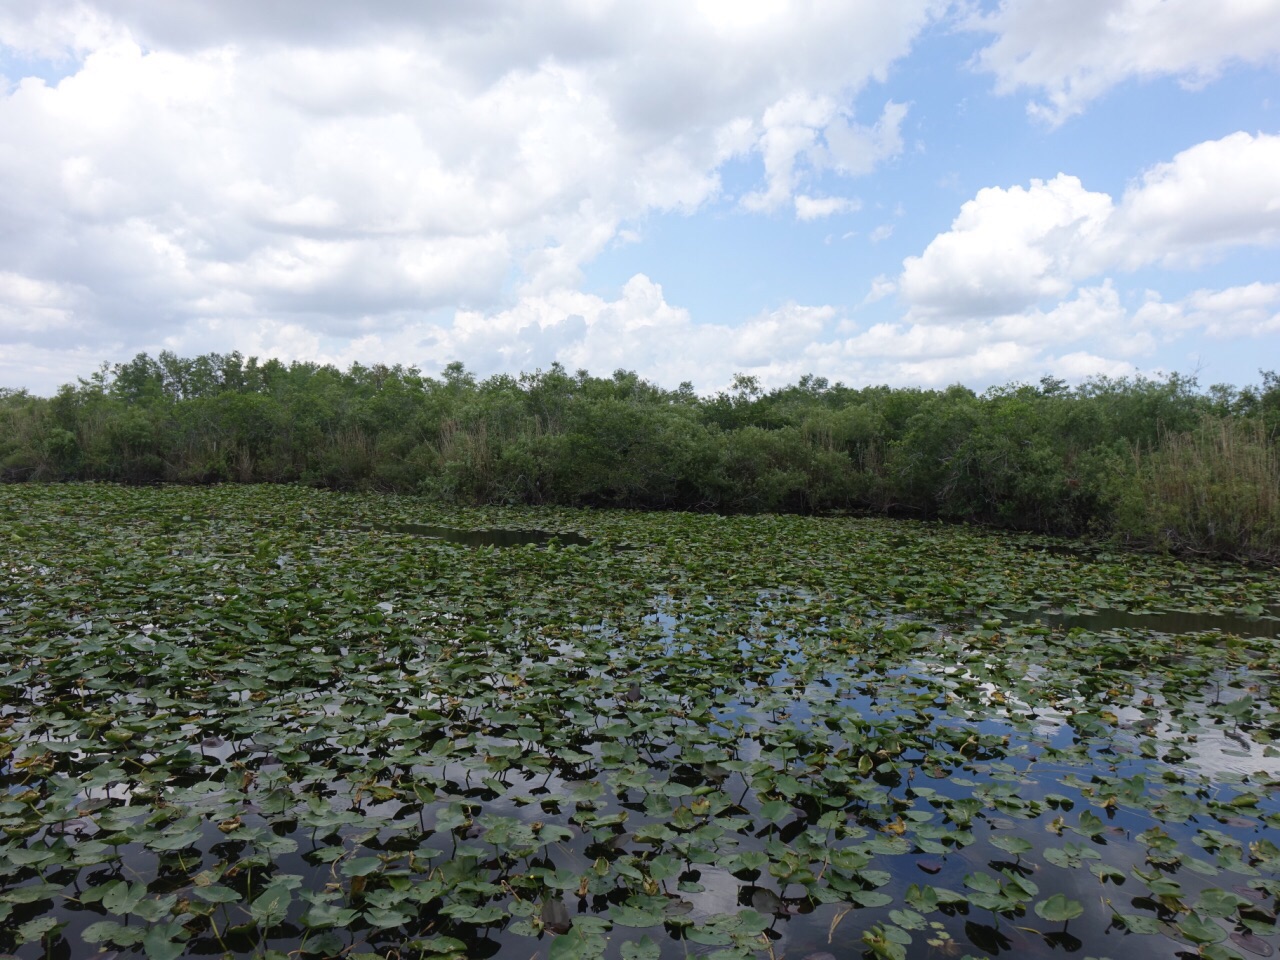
(272, 905)
(1059, 909)
(627, 916)
(446, 729)
(642, 949)
(215, 893)
(361, 866)
(1016, 846)
(34, 930)
(574, 946)
(1199, 931)
(1140, 923)
(1251, 943)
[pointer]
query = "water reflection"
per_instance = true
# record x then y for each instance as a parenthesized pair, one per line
(485, 538)
(707, 765)
(1237, 624)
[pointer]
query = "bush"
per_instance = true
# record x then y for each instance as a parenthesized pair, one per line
(1214, 490)
(1129, 456)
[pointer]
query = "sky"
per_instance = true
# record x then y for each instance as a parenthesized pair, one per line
(915, 193)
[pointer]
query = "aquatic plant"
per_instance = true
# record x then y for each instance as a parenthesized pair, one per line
(270, 721)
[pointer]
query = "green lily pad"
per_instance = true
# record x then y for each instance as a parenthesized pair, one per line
(1059, 909)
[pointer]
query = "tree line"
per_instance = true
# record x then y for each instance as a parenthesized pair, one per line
(1155, 462)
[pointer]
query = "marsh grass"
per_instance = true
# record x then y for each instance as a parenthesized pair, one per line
(1213, 490)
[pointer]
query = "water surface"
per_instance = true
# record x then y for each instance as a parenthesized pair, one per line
(1236, 624)
(487, 538)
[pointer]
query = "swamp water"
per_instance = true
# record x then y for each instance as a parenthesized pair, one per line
(1254, 626)
(745, 737)
(487, 537)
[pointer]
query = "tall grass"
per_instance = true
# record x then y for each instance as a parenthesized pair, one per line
(1213, 490)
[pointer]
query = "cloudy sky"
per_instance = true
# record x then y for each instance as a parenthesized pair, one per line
(916, 192)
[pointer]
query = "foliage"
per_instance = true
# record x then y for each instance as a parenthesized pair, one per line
(259, 721)
(1213, 490)
(1047, 457)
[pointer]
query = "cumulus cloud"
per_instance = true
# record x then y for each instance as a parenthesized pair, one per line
(639, 330)
(802, 133)
(1251, 310)
(1012, 248)
(855, 149)
(1214, 196)
(57, 31)
(29, 306)
(1023, 275)
(815, 208)
(1073, 51)
(791, 129)
(341, 168)
(1092, 333)
(1094, 314)
(1009, 248)
(313, 180)
(882, 286)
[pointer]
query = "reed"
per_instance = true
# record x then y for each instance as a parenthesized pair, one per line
(1213, 490)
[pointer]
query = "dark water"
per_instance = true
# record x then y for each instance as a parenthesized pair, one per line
(486, 538)
(1237, 624)
(1032, 769)
(797, 928)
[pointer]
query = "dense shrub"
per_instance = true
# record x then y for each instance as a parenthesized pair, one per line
(1156, 462)
(1212, 490)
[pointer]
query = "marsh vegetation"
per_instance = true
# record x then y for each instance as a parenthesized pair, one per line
(1155, 463)
(268, 721)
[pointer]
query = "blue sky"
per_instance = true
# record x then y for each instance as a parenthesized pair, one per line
(919, 194)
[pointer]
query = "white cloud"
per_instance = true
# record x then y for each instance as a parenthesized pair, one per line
(881, 287)
(1022, 275)
(913, 355)
(641, 331)
(637, 331)
(854, 149)
(344, 168)
(1252, 310)
(1213, 196)
(426, 182)
(803, 130)
(1010, 249)
(815, 208)
(32, 306)
(1007, 249)
(56, 31)
(1092, 333)
(1073, 51)
(1080, 365)
(791, 129)
(1095, 315)
(47, 368)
